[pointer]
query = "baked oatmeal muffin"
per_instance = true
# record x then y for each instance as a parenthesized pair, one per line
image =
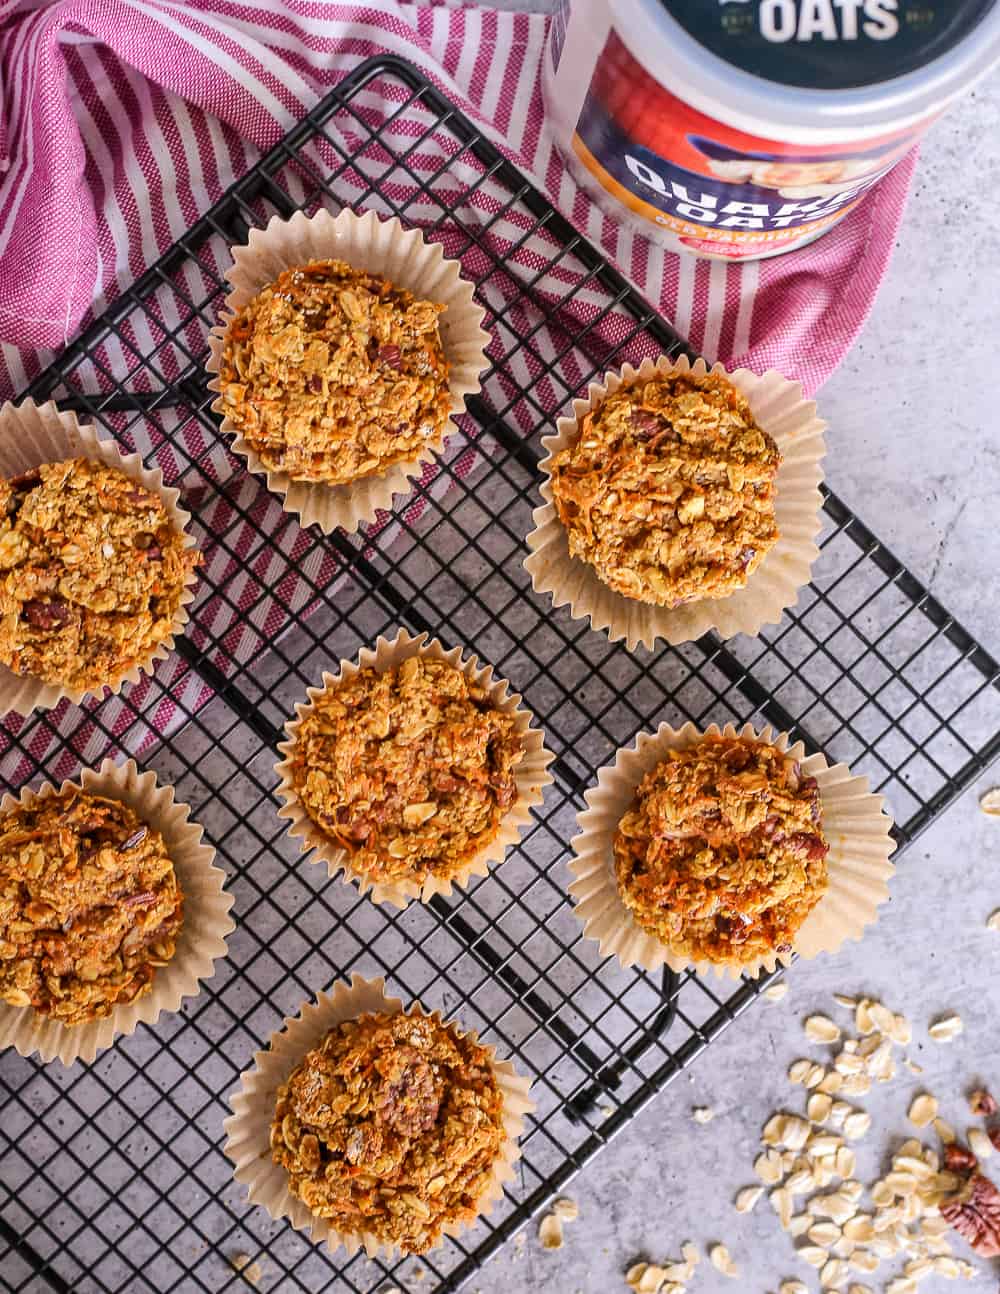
(92, 573)
(333, 374)
(392, 1125)
(721, 855)
(89, 906)
(410, 771)
(668, 491)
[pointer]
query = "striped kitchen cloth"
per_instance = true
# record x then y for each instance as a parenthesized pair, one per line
(124, 119)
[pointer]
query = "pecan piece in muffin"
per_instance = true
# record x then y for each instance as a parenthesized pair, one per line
(92, 573)
(668, 490)
(89, 906)
(392, 1125)
(721, 855)
(410, 770)
(333, 374)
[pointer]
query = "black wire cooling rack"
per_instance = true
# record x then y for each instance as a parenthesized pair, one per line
(112, 1175)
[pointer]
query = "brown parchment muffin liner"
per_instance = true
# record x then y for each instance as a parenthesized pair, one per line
(381, 247)
(855, 825)
(531, 774)
(781, 410)
(248, 1129)
(33, 434)
(202, 939)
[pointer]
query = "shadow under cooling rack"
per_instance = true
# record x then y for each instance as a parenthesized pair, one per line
(112, 1176)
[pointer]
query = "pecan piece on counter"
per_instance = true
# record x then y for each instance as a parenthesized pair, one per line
(975, 1214)
(959, 1159)
(982, 1103)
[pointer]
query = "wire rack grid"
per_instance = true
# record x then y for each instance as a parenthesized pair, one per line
(112, 1175)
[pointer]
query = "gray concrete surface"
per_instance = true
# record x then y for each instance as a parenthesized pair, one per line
(913, 447)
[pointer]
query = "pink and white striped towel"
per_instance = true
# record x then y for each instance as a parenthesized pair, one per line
(124, 119)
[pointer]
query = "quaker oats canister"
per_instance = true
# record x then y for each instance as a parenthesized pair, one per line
(741, 129)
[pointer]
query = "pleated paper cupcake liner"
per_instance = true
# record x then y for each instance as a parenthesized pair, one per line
(248, 1129)
(202, 939)
(402, 256)
(531, 774)
(781, 410)
(31, 435)
(855, 825)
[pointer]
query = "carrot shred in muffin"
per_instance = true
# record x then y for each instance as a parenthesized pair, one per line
(668, 490)
(89, 906)
(92, 573)
(392, 1125)
(333, 374)
(410, 770)
(721, 855)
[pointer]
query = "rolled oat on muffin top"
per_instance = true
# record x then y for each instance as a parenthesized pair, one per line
(410, 770)
(721, 855)
(92, 573)
(89, 906)
(392, 1125)
(333, 374)
(668, 490)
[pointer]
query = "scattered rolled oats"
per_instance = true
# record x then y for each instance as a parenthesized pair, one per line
(820, 1028)
(92, 573)
(798, 1070)
(722, 1261)
(979, 1143)
(90, 906)
(422, 732)
(768, 1167)
(993, 920)
(747, 1198)
(792, 1287)
(824, 1233)
(946, 1267)
(783, 1203)
(834, 1274)
(762, 824)
(775, 992)
(814, 1255)
(859, 1289)
(668, 491)
(394, 1124)
(651, 1280)
(702, 1114)
(566, 1210)
(946, 1028)
(333, 374)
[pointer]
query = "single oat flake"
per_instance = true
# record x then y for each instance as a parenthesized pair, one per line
(722, 1261)
(946, 1027)
(993, 920)
(566, 1210)
(747, 1198)
(820, 1028)
(922, 1110)
(990, 802)
(775, 992)
(702, 1114)
(550, 1232)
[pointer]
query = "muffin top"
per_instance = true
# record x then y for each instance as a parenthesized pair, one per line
(391, 1125)
(410, 770)
(333, 374)
(92, 571)
(721, 854)
(668, 490)
(89, 906)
